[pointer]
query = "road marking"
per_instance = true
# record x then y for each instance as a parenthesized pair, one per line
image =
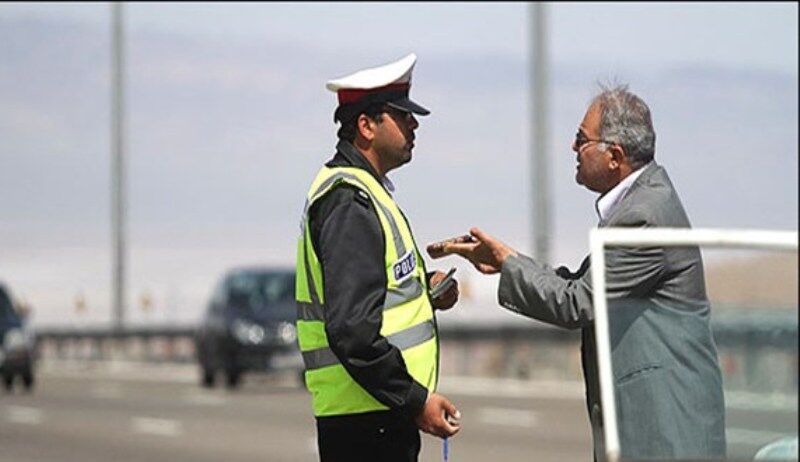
(24, 415)
(512, 388)
(507, 416)
(451, 384)
(516, 388)
(749, 401)
(153, 426)
(204, 399)
(753, 437)
(118, 370)
(107, 391)
(311, 445)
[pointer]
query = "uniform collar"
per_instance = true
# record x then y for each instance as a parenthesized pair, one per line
(347, 154)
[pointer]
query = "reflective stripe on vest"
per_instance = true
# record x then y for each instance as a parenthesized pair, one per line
(408, 290)
(408, 322)
(403, 340)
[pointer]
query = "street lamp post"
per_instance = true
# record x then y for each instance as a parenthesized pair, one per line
(118, 165)
(539, 107)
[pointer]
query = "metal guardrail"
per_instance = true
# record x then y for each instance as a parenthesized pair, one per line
(103, 333)
(762, 328)
(142, 343)
(744, 330)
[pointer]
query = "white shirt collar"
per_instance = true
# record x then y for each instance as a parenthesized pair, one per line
(608, 202)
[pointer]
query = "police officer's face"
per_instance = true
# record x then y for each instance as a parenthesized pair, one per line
(594, 157)
(394, 137)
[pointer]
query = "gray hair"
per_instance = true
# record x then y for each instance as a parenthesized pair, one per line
(625, 120)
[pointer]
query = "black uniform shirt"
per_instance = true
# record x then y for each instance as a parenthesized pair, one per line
(347, 236)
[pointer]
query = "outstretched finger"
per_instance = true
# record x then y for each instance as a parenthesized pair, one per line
(481, 236)
(461, 249)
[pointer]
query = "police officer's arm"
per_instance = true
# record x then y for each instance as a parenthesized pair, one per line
(348, 239)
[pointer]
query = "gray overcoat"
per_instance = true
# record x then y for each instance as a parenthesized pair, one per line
(667, 379)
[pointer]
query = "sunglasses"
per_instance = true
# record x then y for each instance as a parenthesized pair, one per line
(581, 140)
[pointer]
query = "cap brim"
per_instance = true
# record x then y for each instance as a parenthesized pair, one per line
(405, 104)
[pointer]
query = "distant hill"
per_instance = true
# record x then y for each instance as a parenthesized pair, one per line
(757, 282)
(224, 137)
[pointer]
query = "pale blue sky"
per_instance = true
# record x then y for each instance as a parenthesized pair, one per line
(229, 120)
(753, 35)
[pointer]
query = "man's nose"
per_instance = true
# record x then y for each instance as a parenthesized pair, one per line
(413, 123)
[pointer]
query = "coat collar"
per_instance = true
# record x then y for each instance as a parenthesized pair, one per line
(650, 174)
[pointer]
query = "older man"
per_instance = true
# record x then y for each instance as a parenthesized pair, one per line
(666, 373)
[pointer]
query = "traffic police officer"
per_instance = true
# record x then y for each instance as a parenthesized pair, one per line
(366, 324)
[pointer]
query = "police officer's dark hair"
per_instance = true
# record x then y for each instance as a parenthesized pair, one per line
(348, 129)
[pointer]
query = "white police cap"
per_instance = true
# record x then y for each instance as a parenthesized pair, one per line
(389, 84)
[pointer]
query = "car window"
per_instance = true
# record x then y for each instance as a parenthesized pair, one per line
(266, 294)
(276, 288)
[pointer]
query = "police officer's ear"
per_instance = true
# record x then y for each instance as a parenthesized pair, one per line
(365, 126)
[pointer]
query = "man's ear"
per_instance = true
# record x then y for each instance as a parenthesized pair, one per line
(618, 156)
(366, 127)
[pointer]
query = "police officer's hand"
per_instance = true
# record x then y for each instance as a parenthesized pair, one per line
(433, 417)
(447, 299)
(487, 254)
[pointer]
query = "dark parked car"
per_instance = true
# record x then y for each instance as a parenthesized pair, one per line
(17, 346)
(249, 325)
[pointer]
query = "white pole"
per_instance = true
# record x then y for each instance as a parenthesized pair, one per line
(749, 238)
(666, 237)
(118, 165)
(603, 342)
(539, 107)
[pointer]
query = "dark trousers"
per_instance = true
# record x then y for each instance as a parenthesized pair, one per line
(370, 437)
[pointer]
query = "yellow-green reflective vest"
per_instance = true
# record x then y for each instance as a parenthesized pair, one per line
(408, 321)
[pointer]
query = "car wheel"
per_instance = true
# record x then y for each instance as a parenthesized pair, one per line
(233, 378)
(28, 380)
(233, 372)
(8, 382)
(208, 376)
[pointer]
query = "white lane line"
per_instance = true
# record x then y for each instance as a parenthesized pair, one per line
(153, 426)
(122, 371)
(311, 445)
(511, 388)
(573, 390)
(753, 437)
(24, 415)
(107, 391)
(508, 417)
(204, 399)
(749, 401)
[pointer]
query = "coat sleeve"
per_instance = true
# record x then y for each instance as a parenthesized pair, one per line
(558, 297)
(347, 236)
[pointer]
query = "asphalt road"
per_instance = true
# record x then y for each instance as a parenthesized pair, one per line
(156, 413)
